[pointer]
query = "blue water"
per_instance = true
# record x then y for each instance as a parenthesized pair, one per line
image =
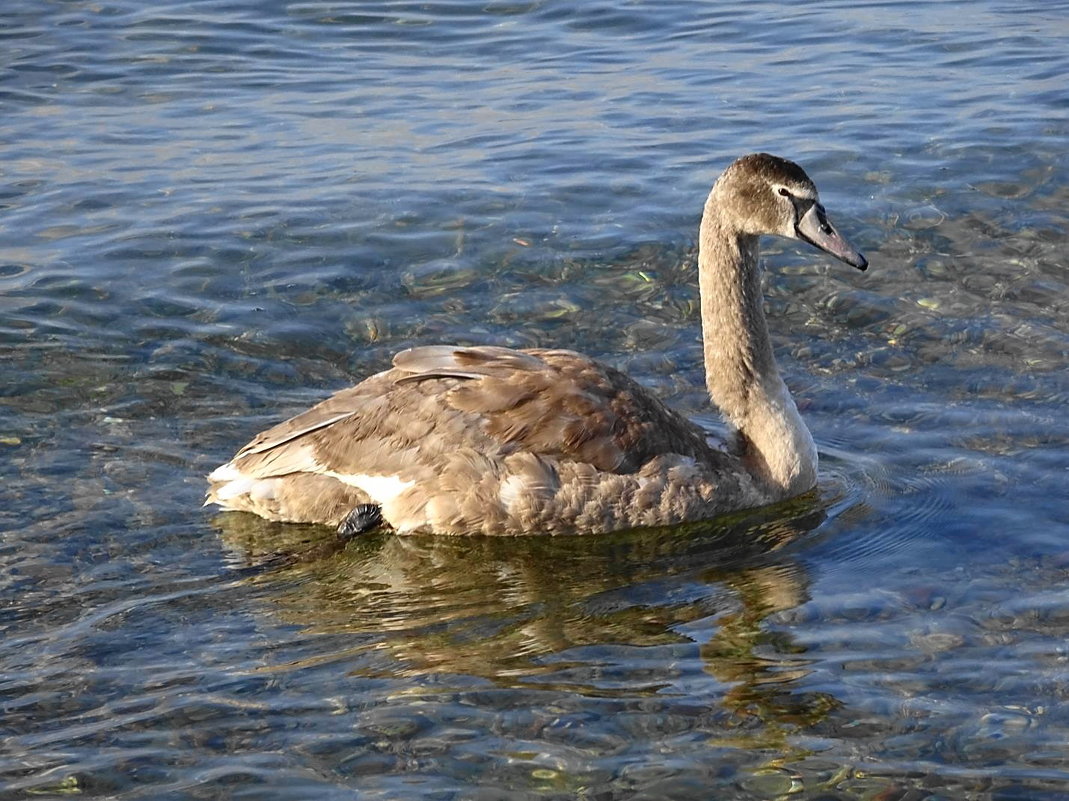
(212, 214)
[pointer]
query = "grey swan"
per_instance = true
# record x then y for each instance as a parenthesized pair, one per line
(491, 440)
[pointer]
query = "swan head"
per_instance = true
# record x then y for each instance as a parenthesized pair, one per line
(765, 194)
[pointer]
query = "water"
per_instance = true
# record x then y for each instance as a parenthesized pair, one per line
(214, 213)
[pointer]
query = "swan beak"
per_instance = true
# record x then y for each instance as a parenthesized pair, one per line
(814, 228)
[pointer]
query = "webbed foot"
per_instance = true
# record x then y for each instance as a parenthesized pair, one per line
(362, 518)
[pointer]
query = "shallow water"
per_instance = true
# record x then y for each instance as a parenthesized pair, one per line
(214, 213)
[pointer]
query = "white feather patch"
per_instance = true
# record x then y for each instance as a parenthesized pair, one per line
(512, 489)
(260, 489)
(382, 490)
(226, 472)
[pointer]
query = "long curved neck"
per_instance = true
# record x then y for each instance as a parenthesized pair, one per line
(740, 369)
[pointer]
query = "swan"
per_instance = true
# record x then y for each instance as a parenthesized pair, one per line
(491, 440)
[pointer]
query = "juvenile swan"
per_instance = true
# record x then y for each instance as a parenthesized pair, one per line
(487, 440)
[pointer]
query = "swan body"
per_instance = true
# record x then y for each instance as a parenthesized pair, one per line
(489, 440)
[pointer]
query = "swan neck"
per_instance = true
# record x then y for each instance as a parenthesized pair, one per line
(740, 368)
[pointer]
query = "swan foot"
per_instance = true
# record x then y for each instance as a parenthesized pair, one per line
(361, 519)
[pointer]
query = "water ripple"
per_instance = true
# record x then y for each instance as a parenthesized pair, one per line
(214, 213)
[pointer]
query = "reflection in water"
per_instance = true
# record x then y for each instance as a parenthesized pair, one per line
(537, 612)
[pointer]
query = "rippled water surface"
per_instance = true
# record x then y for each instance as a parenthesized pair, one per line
(213, 213)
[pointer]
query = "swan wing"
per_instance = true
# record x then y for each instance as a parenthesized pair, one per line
(558, 404)
(553, 404)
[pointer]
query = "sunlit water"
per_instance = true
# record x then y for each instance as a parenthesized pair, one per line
(214, 213)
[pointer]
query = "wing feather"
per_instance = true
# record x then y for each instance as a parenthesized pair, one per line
(441, 400)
